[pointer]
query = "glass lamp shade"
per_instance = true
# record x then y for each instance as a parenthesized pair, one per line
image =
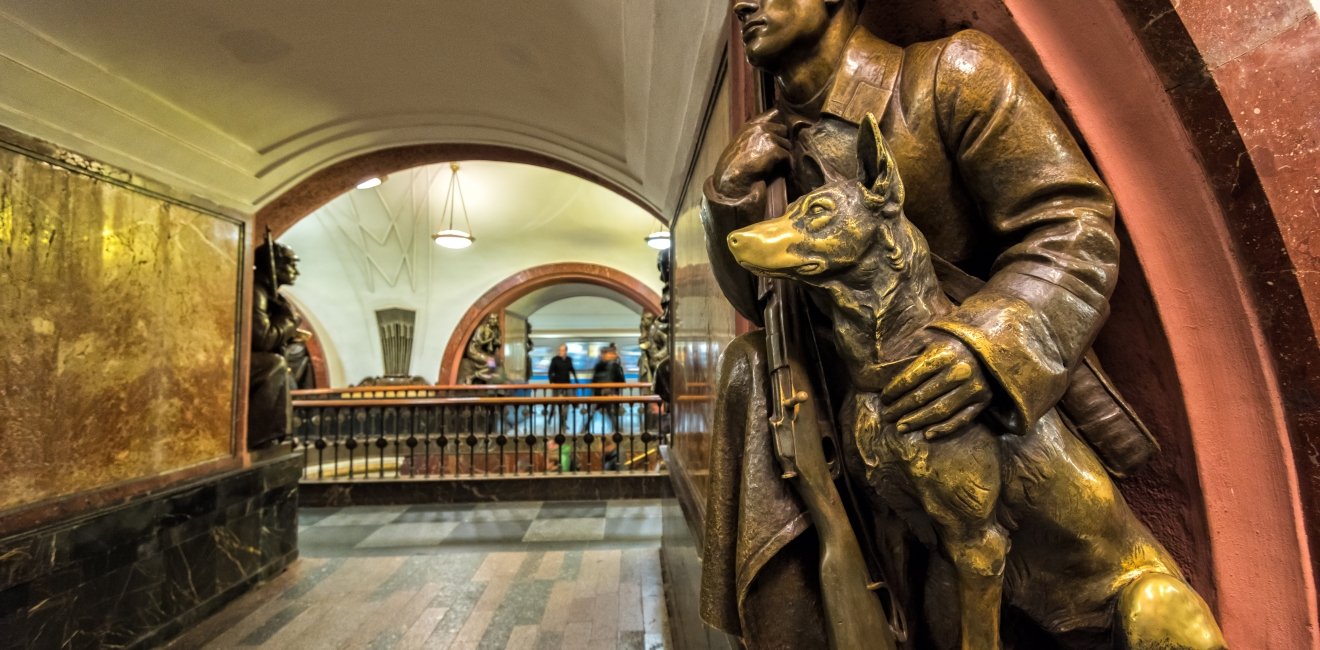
(453, 239)
(658, 240)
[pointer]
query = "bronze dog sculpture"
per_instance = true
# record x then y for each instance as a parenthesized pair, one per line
(1030, 520)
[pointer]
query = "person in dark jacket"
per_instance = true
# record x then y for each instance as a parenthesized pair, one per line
(562, 372)
(608, 370)
(561, 368)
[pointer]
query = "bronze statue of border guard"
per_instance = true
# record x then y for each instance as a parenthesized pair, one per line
(1023, 230)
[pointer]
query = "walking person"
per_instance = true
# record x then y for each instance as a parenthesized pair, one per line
(608, 370)
(561, 372)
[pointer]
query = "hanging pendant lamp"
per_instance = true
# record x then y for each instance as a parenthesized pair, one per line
(658, 240)
(450, 236)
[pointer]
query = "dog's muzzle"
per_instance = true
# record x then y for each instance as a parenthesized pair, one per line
(766, 249)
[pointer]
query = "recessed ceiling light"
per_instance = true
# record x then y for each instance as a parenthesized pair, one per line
(374, 181)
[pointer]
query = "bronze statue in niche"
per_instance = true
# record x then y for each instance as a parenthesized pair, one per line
(274, 328)
(644, 344)
(481, 362)
(950, 431)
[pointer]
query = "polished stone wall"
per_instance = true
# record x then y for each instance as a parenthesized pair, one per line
(119, 330)
(703, 324)
(134, 575)
(703, 321)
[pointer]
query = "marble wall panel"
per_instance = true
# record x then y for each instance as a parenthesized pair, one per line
(1273, 91)
(134, 575)
(118, 335)
(704, 322)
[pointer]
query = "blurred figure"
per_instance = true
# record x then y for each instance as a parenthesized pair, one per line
(561, 368)
(608, 370)
(561, 372)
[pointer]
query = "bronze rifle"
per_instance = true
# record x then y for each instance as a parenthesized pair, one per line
(808, 454)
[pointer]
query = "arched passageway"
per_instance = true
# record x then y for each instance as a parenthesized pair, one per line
(531, 280)
(368, 251)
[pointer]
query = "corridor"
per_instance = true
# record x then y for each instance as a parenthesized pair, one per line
(526, 575)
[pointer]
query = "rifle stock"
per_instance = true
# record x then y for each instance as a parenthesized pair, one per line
(808, 457)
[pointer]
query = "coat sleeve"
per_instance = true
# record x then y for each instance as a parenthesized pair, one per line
(721, 216)
(1048, 293)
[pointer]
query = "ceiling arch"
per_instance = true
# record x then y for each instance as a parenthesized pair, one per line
(240, 101)
(331, 182)
(528, 281)
(533, 302)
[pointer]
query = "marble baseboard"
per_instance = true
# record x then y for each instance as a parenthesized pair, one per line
(134, 575)
(482, 490)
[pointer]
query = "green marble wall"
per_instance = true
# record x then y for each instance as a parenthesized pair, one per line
(118, 332)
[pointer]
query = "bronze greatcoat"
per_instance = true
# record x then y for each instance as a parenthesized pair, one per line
(1001, 189)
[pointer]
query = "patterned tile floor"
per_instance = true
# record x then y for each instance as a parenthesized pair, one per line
(535, 575)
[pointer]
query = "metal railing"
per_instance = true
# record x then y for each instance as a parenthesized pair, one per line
(472, 390)
(369, 437)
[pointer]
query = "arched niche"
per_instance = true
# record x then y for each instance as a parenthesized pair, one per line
(1196, 339)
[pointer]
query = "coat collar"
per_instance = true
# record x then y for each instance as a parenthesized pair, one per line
(865, 79)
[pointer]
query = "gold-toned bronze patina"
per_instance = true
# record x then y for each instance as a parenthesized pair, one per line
(1075, 553)
(951, 427)
(481, 362)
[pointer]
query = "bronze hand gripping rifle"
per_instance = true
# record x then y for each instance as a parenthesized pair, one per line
(808, 453)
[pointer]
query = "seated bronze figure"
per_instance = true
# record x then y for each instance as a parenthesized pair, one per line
(1029, 518)
(274, 330)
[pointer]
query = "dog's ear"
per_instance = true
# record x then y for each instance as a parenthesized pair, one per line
(880, 177)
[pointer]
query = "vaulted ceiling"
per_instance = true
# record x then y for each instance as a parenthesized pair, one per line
(236, 101)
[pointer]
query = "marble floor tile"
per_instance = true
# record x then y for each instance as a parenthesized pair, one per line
(487, 532)
(632, 529)
(363, 516)
(524, 576)
(635, 509)
(572, 510)
(315, 539)
(522, 511)
(406, 535)
(436, 513)
(311, 516)
(583, 529)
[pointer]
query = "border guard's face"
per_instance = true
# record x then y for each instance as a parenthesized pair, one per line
(772, 28)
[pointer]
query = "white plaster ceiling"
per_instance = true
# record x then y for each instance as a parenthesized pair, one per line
(238, 100)
(371, 249)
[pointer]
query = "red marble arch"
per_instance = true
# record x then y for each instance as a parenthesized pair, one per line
(524, 282)
(1209, 310)
(323, 186)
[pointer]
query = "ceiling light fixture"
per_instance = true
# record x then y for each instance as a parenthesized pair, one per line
(449, 236)
(374, 181)
(659, 240)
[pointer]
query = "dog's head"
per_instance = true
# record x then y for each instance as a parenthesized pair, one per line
(845, 230)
